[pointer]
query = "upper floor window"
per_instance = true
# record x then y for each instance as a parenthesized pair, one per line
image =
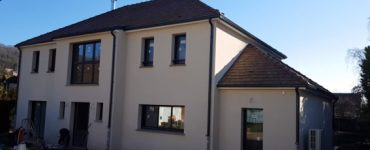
(35, 61)
(85, 63)
(179, 52)
(148, 52)
(52, 55)
(169, 118)
(99, 112)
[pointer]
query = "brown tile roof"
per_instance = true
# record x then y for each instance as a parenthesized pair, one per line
(254, 68)
(348, 105)
(141, 15)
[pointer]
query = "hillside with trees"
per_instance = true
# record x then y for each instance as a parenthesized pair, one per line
(8, 57)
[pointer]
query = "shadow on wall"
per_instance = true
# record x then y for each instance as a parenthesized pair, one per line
(313, 115)
(303, 119)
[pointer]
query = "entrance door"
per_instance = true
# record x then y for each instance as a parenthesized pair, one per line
(38, 111)
(80, 124)
(252, 134)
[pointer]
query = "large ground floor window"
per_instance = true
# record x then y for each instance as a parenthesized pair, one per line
(157, 117)
(252, 134)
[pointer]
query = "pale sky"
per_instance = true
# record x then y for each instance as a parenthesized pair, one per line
(314, 34)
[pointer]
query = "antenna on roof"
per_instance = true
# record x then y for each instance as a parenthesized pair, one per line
(113, 4)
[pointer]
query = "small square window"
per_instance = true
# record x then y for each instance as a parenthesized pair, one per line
(179, 52)
(148, 52)
(99, 112)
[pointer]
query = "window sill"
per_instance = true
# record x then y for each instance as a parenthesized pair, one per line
(34, 72)
(142, 66)
(161, 131)
(50, 71)
(99, 121)
(177, 65)
(82, 84)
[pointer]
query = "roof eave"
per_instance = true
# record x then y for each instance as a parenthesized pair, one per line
(25, 43)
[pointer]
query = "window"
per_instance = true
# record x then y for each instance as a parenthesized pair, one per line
(169, 118)
(148, 52)
(85, 63)
(179, 49)
(99, 112)
(52, 54)
(252, 129)
(35, 61)
(62, 107)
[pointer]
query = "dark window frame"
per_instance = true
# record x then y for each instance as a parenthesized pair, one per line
(148, 59)
(52, 58)
(35, 62)
(94, 62)
(176, 60)
(170, 129)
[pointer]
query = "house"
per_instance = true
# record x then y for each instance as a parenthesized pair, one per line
(346, 111)
(167, 74)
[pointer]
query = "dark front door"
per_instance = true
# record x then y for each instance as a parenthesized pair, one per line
(38, 110)
(252, 130)
(80, 124)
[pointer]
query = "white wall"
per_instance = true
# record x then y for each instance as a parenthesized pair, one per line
(315, 113)
(228, 44)
(55, 87)
(279, 117)
(164, 84)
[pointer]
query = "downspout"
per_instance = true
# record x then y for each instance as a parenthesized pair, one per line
(111, 89)
(18, 80)
(297, 117)
(210, 77)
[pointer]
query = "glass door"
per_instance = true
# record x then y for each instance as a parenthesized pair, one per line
(252, 129)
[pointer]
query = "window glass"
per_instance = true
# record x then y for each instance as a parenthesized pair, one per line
(85, 66)
(178, 118)
(80, 55)
(165, 117)
(87, 73)
(168, 118)
(89, 52)
(77, 73)
(150, 116)
(99, 112)
(96, 73)
(35, 61)
(52, 55)
(180, 49)
(148, 52)
(253, 129)
(62, 110)
(97, 51)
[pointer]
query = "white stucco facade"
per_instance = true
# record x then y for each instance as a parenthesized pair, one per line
(278, 106)
(163, 84)
(55, 87)
(166, 84)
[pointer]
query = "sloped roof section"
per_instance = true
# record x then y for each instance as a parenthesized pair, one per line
(141, 15)
(254, 68)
